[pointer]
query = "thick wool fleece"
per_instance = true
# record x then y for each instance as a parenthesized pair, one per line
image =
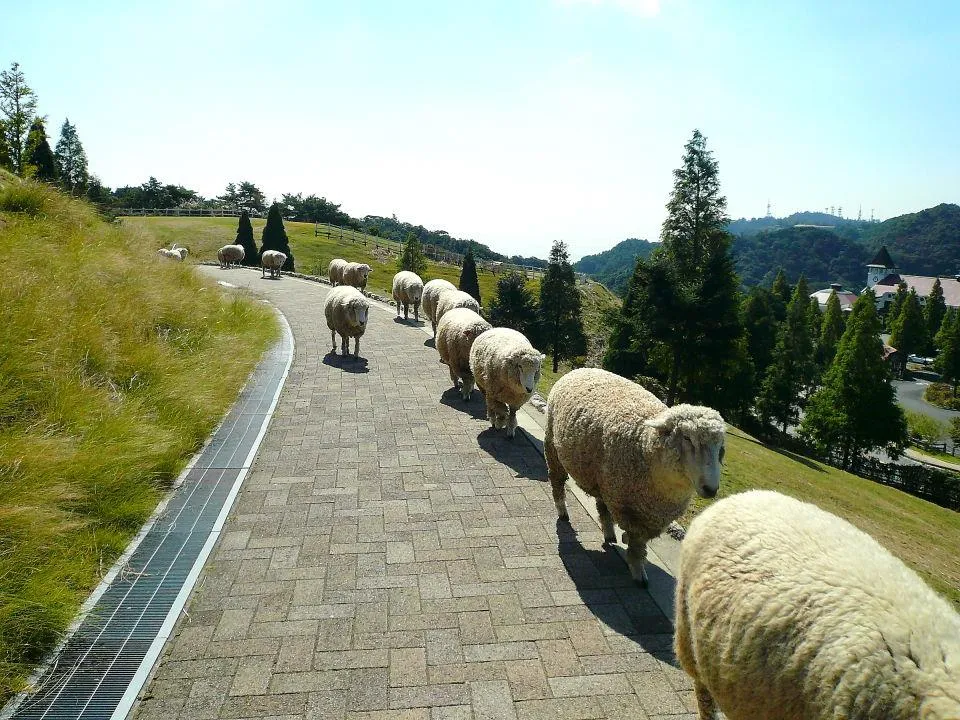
(456, 333)
(335, 271)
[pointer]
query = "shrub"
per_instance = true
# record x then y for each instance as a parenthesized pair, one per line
(28, 198)
(941, 395)
(925, 427)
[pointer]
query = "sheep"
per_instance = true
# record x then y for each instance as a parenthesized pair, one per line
(346, 311)
(182, 251)
(451, 299)
(230, 254)
(335, 271)
(356, 274)
(171, 254)
(786, 611)
(431, 293)
(273, 261)
(455, 335)
(641, 460)
(407, 291)
(507, 369)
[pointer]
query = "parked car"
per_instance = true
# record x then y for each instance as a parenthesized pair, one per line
(919, 360)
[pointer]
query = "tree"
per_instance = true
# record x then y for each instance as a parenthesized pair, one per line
(412, 257)
(560, 308)
(782, 292)
(18, 104)
(856, 409)
(893, 311)
(251, 256)
(40, 163)
(6, 163)
(515, 307)
(468, 276)
(831, 330)
(814, 317)
(760, 327)
(947, 362)
(98, 193)
(250, 197)
(933, 312)
(909, 330)
(792, 368)
(72, 161)
(275, 237)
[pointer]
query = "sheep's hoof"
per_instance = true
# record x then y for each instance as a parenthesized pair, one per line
(564, 518)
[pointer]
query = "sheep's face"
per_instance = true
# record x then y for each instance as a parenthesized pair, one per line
(702, 462)
(358, 316)
(415, 294)
(696, 436)
(364, 271)
(528, 371)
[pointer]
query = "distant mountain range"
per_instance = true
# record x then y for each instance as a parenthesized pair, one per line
(614, 267)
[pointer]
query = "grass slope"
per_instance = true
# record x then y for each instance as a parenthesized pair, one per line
(116, 365)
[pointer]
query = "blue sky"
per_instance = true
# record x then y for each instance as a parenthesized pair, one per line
(516, 122)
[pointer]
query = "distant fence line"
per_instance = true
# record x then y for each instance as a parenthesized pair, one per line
(176, 212)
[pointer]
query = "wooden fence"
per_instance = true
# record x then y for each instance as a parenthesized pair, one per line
(175, 212)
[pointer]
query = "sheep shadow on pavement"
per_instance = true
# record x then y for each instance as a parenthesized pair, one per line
(605, 586)
(430, 342)
(410, 323)
(516, 454)
(475, 407)
(347, 363)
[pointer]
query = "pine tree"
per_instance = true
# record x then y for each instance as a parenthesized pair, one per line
(18, 104)
(947, 362)
(760, 327)
(831, 331)
(6, 163)
(792, 368)
(933, 313)
(72, 160)
(814, 318)
(468, 276)
(782, 292)
(856, 409)
(893, 310)
(412, 257)
(275, 237)
(251, 255)
(560, 308)
(515, 307)
(40, 163)
(909, 330)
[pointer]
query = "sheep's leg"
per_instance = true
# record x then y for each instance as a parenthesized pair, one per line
(416, 311)
(557, 475)
(636, 557)
(453, 377)
(434, 325)
(344, 345)
(356, 347)
(333, 339)
(705, 702)
(406, 311)
(398, 308)
(606, 523)
(492, 412)
(512, 423)
(466, 388)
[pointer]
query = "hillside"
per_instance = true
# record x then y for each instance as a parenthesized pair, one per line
(921, 243)
(614, 267)
(116, 365)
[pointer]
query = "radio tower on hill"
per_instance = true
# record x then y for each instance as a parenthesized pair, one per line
(768, 210)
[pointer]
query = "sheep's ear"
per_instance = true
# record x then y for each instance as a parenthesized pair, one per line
(468, 333)
(664, 422)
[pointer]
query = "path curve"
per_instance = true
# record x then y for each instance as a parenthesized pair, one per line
(390, 556)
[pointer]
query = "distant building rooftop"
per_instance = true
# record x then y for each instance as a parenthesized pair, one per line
(846, 297)
(882, 259)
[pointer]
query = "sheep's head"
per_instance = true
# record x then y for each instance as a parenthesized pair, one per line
(527, 369)
(364, 271)
(696, 433)
(415, 292)
(498, 415)
(357, 312)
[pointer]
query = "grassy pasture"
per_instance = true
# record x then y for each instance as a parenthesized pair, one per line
(115, 366)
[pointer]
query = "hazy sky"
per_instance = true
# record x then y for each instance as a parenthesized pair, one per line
(513, 122)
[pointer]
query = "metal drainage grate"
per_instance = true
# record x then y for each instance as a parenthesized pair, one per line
(101, 668)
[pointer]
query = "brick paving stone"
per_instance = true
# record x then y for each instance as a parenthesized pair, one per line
(392, 558)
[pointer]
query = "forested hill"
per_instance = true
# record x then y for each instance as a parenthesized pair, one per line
(614, 267)
(921, 243)
(754, 226)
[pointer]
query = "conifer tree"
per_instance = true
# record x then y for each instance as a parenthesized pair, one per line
(18, 105)
(831, 331)
(560, 308)
(275, 237)
(515, 307)
(72, 160)
(468, 276)
(6, 163)
(40, 163)
(783, 292)
(947, 362)
(760, 327)
(251, 255)
(412, 257)
(814, 318)
(933, 313)
(856, 409)
(893, 310)
(909, 330)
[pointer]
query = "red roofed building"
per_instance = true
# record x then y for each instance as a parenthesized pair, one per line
(883, 277)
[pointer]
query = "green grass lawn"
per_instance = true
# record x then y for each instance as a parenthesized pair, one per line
(936, 454)
(115, 366)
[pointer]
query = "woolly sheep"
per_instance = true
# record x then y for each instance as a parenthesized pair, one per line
(346, 311)
(230, 254)
(506, 368)
(786, 611)
(171, 254)
(641, 460)
(451, 299)
(455, 335)
(273, 261)
(407, 291)
(335, 271)
(431, 293)
(356, 274)
(182, 251)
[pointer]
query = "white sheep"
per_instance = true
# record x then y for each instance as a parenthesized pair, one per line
(171, 254)
(431, 293)
(786, 611)
(640, 459)
(182, 251)
(451, 299)
(273, 261)
(335, 271)
(407, 291)
(456, 333)
(507, 369)
(356, 274)
(230, 254)
(346, 311)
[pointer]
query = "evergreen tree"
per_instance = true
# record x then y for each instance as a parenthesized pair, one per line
(275, 237)
(947, 362)
(831, 331)
(814, 318)
(560, 308)
(909, 330)
(72, 161)
(893, 310)
(468, 276)
(40, 162)
(856, 409)
(412, 257)
(98, 193)
(782, 292)
(6, 163)
(760, 327)
(934, 312)
(251, 255)
(792, 368)
(18, 104)
(515, 307)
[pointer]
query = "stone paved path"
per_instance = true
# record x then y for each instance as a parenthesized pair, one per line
(390, 556)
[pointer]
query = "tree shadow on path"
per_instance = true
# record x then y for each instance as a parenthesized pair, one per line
(347, 363)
